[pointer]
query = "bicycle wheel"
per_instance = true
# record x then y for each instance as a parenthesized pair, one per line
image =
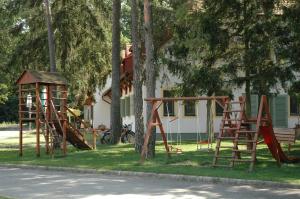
(106, 138)
(130, 137)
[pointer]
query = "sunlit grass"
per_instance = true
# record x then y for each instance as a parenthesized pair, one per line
(123, 157)
(7, 124)
(2, 197)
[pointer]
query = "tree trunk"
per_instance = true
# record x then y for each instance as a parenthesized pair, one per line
(247, 72)
(115, 104)
(50, 37)
(150, 68)
(137, 78)
(208, 120)
(57, 139)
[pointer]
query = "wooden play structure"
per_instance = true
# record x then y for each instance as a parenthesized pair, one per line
(43, 102)
(156, 121)
(240, 132)
(244, 133)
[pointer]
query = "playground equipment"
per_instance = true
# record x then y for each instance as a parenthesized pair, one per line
(210, 134)
(243, 131)
(170, 133)
(155, 120)
(48, 98)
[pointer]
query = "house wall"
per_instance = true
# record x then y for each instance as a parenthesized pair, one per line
(101, 111)
(187, 125)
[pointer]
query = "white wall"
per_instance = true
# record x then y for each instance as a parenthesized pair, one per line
(102, 108)
(187, 124)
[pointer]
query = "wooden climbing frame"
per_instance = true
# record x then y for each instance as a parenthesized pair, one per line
(35, 83)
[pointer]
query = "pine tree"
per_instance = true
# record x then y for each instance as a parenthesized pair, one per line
(82, 39)
(137, 77)
(116, 94)
(150, 68)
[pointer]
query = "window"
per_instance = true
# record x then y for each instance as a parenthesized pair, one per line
(189, 108)
(168, 106)
(219, 110)
(293, 106)
(127, 106)
(122, 104)
(131, 105)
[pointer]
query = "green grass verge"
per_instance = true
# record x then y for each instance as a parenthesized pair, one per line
(8, 124)
(190, 162)
(2, 197)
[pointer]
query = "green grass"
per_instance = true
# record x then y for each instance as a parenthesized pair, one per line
(2, 197)
(8, 124)
(123, 157)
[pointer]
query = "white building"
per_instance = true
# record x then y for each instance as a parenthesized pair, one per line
(183, 116)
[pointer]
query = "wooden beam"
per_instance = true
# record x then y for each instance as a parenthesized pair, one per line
(48, 115)
(163, 99)
(64, 109)
(162, 132)
(151, 122)
(37, 120)
(20, 123)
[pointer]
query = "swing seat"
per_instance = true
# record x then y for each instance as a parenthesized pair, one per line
(173, 149)
(203, 142)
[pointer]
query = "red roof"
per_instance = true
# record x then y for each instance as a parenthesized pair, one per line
(126, 70)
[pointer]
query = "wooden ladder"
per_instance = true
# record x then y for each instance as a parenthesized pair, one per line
(53, 136)
(236, 129)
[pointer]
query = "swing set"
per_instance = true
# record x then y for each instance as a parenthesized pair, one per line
(155, 120)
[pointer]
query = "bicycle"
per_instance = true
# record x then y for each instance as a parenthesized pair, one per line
(127, 135)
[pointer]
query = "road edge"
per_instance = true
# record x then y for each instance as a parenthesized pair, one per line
(177, 177)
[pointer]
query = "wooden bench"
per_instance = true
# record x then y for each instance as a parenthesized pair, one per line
(285, 136)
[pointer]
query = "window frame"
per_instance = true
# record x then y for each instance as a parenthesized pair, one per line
(170, 104)
(218, 110)
(193, 106)
(291, 113)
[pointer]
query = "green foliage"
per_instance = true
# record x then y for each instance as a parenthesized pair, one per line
(82, 41)
(220, 44)
(197, 42)
(9, 109)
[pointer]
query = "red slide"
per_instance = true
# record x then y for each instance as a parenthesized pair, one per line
(274, 146)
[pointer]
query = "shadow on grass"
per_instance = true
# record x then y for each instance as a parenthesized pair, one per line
(192, 162)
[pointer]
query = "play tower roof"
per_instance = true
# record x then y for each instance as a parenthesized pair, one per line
(30, 77)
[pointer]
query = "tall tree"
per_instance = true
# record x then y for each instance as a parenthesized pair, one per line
(150, 68)
(137, 77)
(82, 40)
(115, 104)
(50, 37)
(194, 53)
(240, 39)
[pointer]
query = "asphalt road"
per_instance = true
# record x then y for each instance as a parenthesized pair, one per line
(26, 183)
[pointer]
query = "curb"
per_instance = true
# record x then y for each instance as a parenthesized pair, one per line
(185, 178)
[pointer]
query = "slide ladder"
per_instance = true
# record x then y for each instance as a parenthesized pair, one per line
(235, 128)
(243, 134)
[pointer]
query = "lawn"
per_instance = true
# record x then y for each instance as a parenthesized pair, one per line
(123, 157)
(2, 197)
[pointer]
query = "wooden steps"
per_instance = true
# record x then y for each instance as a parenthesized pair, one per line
(235, 130)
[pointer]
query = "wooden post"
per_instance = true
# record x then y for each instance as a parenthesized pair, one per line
(152, 123)
(162, 132)
(48, 115)
(64, 111)
(20, 122)
(94, 139)
(37, 120)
